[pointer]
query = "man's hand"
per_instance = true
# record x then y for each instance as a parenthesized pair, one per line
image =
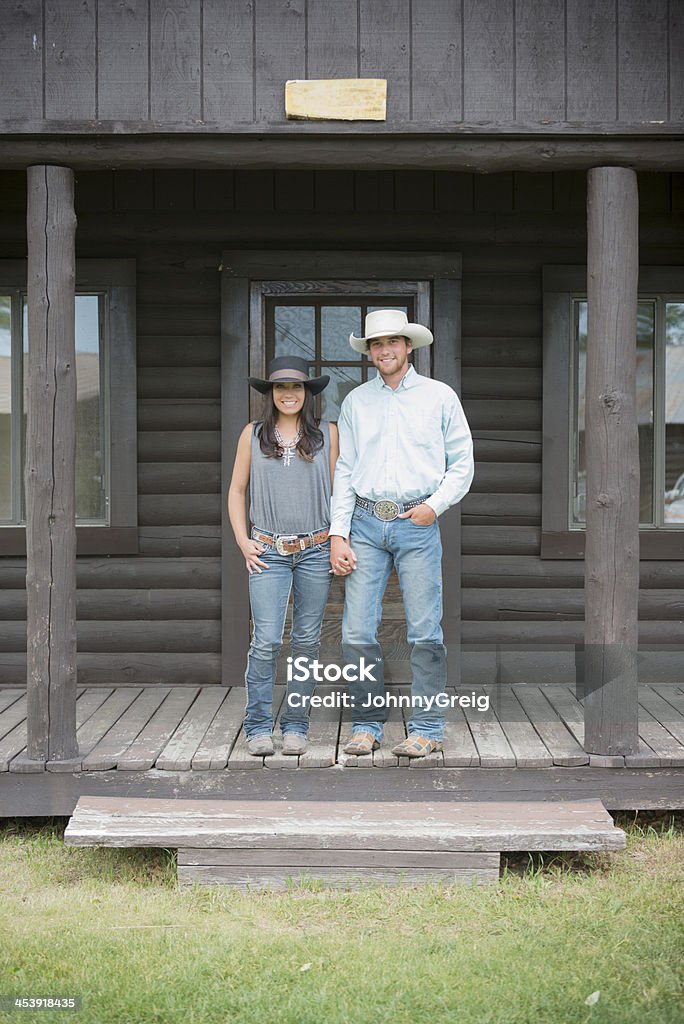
(251, 549)
(342, 558)
(421, 515)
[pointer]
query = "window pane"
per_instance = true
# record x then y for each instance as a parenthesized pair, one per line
(644, 386)
(295, 331)
(645, 371)
(90, 432)
(5, 409)
(674, 412)
(342, 380)
(337, 323)
(90, 466)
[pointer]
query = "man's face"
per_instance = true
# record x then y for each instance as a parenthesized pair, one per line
(390, 354)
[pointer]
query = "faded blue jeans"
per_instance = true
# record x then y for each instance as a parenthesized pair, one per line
(306, 573)
(416, 552)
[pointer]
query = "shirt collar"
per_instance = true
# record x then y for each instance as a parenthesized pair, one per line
(409, 380)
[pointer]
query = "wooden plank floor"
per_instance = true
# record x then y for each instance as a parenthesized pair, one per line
(184, 728)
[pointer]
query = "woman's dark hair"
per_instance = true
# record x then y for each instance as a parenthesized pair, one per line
(309, 443)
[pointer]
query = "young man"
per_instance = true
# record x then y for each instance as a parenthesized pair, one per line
(406, 455)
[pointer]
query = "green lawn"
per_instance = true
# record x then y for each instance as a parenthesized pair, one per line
(112, 927)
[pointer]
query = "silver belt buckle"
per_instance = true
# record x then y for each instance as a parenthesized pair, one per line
(282, 541)
(386, 510)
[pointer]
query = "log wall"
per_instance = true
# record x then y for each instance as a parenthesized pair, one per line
(156, 617)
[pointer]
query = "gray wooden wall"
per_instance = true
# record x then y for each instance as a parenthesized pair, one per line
(156, 617)
(224, 63)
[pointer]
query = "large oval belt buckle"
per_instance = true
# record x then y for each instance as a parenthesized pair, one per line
(280, 545)
(386, 510)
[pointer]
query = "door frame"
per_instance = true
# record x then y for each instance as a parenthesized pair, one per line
(249, 275)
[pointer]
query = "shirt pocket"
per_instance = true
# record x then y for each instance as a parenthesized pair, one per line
(428, 427)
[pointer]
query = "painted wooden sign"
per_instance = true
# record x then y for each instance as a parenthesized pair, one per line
(341, 99)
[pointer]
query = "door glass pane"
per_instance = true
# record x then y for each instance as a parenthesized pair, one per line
(337, 323)
(90, 426)
(674, 412)
(5, 408)
(295, 331)
(645, 370)
(342, 380)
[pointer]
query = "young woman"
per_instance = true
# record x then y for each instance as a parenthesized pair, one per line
(287, 460)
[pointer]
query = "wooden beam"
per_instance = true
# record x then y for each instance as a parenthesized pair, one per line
(294, 148)
(612, 463)
(50, 465)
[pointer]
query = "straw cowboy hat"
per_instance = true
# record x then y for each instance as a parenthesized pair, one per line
(388, 322)
(289, 370)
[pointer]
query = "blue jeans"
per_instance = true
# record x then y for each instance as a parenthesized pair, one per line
(416, 552)
(307, 574)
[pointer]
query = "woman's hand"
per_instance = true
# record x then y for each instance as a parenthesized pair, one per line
(251, 549)
(342, 557)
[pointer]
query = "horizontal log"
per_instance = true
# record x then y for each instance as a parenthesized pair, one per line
(169, 382)
(514, 447)
(536, 632)
(506, 570)
(179, 541)
(179, 477)
(517, 509)
(500, 540)
(187, 288)
(493, 319)
(179, 416)
(501, 382)
(187, 350)
(167, 669)
(107, 573)
(179, 509)
(503, 414)
(127, 605)
(556, 603)
(503, 351)
(170, 635)
(523, 288)
(167, 318)
(179, 446)
(93, 145)
(519, 477)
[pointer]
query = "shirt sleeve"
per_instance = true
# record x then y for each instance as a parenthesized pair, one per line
(460, 467)
(344, 497)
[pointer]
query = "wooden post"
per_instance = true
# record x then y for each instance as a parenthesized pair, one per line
(50, 466)
(612, 461)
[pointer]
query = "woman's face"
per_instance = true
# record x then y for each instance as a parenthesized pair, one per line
(288, 398)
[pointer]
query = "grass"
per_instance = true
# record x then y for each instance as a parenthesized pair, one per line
(112, 927)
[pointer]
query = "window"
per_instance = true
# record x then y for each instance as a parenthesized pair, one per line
(660, 411)
(106, 493)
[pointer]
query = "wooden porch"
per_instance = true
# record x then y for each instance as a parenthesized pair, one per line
(187, 740)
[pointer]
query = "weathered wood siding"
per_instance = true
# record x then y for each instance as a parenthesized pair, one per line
(156, 617)
(205, 64)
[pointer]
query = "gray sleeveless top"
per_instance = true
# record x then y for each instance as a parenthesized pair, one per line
(290, 497)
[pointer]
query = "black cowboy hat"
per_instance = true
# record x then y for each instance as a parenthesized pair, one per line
(289, 370)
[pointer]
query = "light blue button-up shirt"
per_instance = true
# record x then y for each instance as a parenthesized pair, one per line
(401, 444)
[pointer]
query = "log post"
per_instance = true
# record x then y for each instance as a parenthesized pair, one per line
(50, 466)
(612, 462)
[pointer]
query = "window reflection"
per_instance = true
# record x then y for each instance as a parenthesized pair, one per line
(295, 331)
(674, 412)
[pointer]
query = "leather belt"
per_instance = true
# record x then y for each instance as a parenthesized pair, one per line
(386, 509)
(290, 543)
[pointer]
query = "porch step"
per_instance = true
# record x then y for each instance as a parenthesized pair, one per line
(254, 844)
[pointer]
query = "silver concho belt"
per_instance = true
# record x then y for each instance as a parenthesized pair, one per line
(386, 509)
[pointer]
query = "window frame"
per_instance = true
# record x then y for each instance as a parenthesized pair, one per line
(562, 285)
(116, 279)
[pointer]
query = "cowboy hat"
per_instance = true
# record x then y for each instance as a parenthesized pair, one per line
(289, 370)
(388, 322)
